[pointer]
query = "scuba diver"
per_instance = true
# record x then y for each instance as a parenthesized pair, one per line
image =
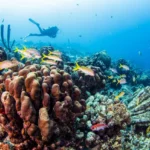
(51, 31)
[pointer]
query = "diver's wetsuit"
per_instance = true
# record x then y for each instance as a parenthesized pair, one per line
(51, 31)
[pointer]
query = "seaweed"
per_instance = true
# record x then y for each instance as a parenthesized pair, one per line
(6, 44)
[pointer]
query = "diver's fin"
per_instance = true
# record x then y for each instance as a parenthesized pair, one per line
(34, 22)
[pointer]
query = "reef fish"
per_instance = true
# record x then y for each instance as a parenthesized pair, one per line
(23, 53)
(139, 52)
(33, 52)
(49, 62)
(123, 76)
(7, 64)
(134, 79)
(122, 81)
(84, 69)
(113, 70)
(52, 57)
(99, 126)
(119, 95)
(148, 130)
(56, 52)
(125, 67)
(110, 77)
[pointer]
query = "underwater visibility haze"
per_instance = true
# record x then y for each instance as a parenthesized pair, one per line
(75, 74)
(120, 27)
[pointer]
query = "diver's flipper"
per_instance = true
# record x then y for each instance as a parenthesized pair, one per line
(31, 20)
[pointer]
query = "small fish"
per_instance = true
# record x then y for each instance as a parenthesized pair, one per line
(84, 69)
(6, 64)
(33, 52)
(110, 77)
(99, 126)
(119, 95)
(123, 76)
(104, 52)
(125, 67)
(23, 53)
(148, 130)
(122, 81)
(2, 20)
(113, 70)
(114, 81)
(52, 57)
(50, 62)
(134, 79)
(139, 53)
(57, 53)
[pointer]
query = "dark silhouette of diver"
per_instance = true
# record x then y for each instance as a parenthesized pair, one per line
(51, 31)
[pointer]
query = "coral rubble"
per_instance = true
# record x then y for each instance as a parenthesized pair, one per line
(101, 110)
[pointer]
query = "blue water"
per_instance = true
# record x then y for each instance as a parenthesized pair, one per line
(122, 28)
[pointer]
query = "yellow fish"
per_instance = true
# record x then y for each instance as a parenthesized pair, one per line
(114, 81)
(123, 76)
(57, 53)
(122, 81)
(119, 95)
(84, 69)
(134, 79)
(52, 57)
(23, 53)
(148, 130)
(124, 67)
(50, 62)
(33, 52)
(110, 77)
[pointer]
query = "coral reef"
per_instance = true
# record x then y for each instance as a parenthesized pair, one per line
(3, 55)
(139, 107)
(100, 59)
(89, 84)
(110, 115)
(132, 141)
(7, 44)
(144, 78)
(38, 108)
